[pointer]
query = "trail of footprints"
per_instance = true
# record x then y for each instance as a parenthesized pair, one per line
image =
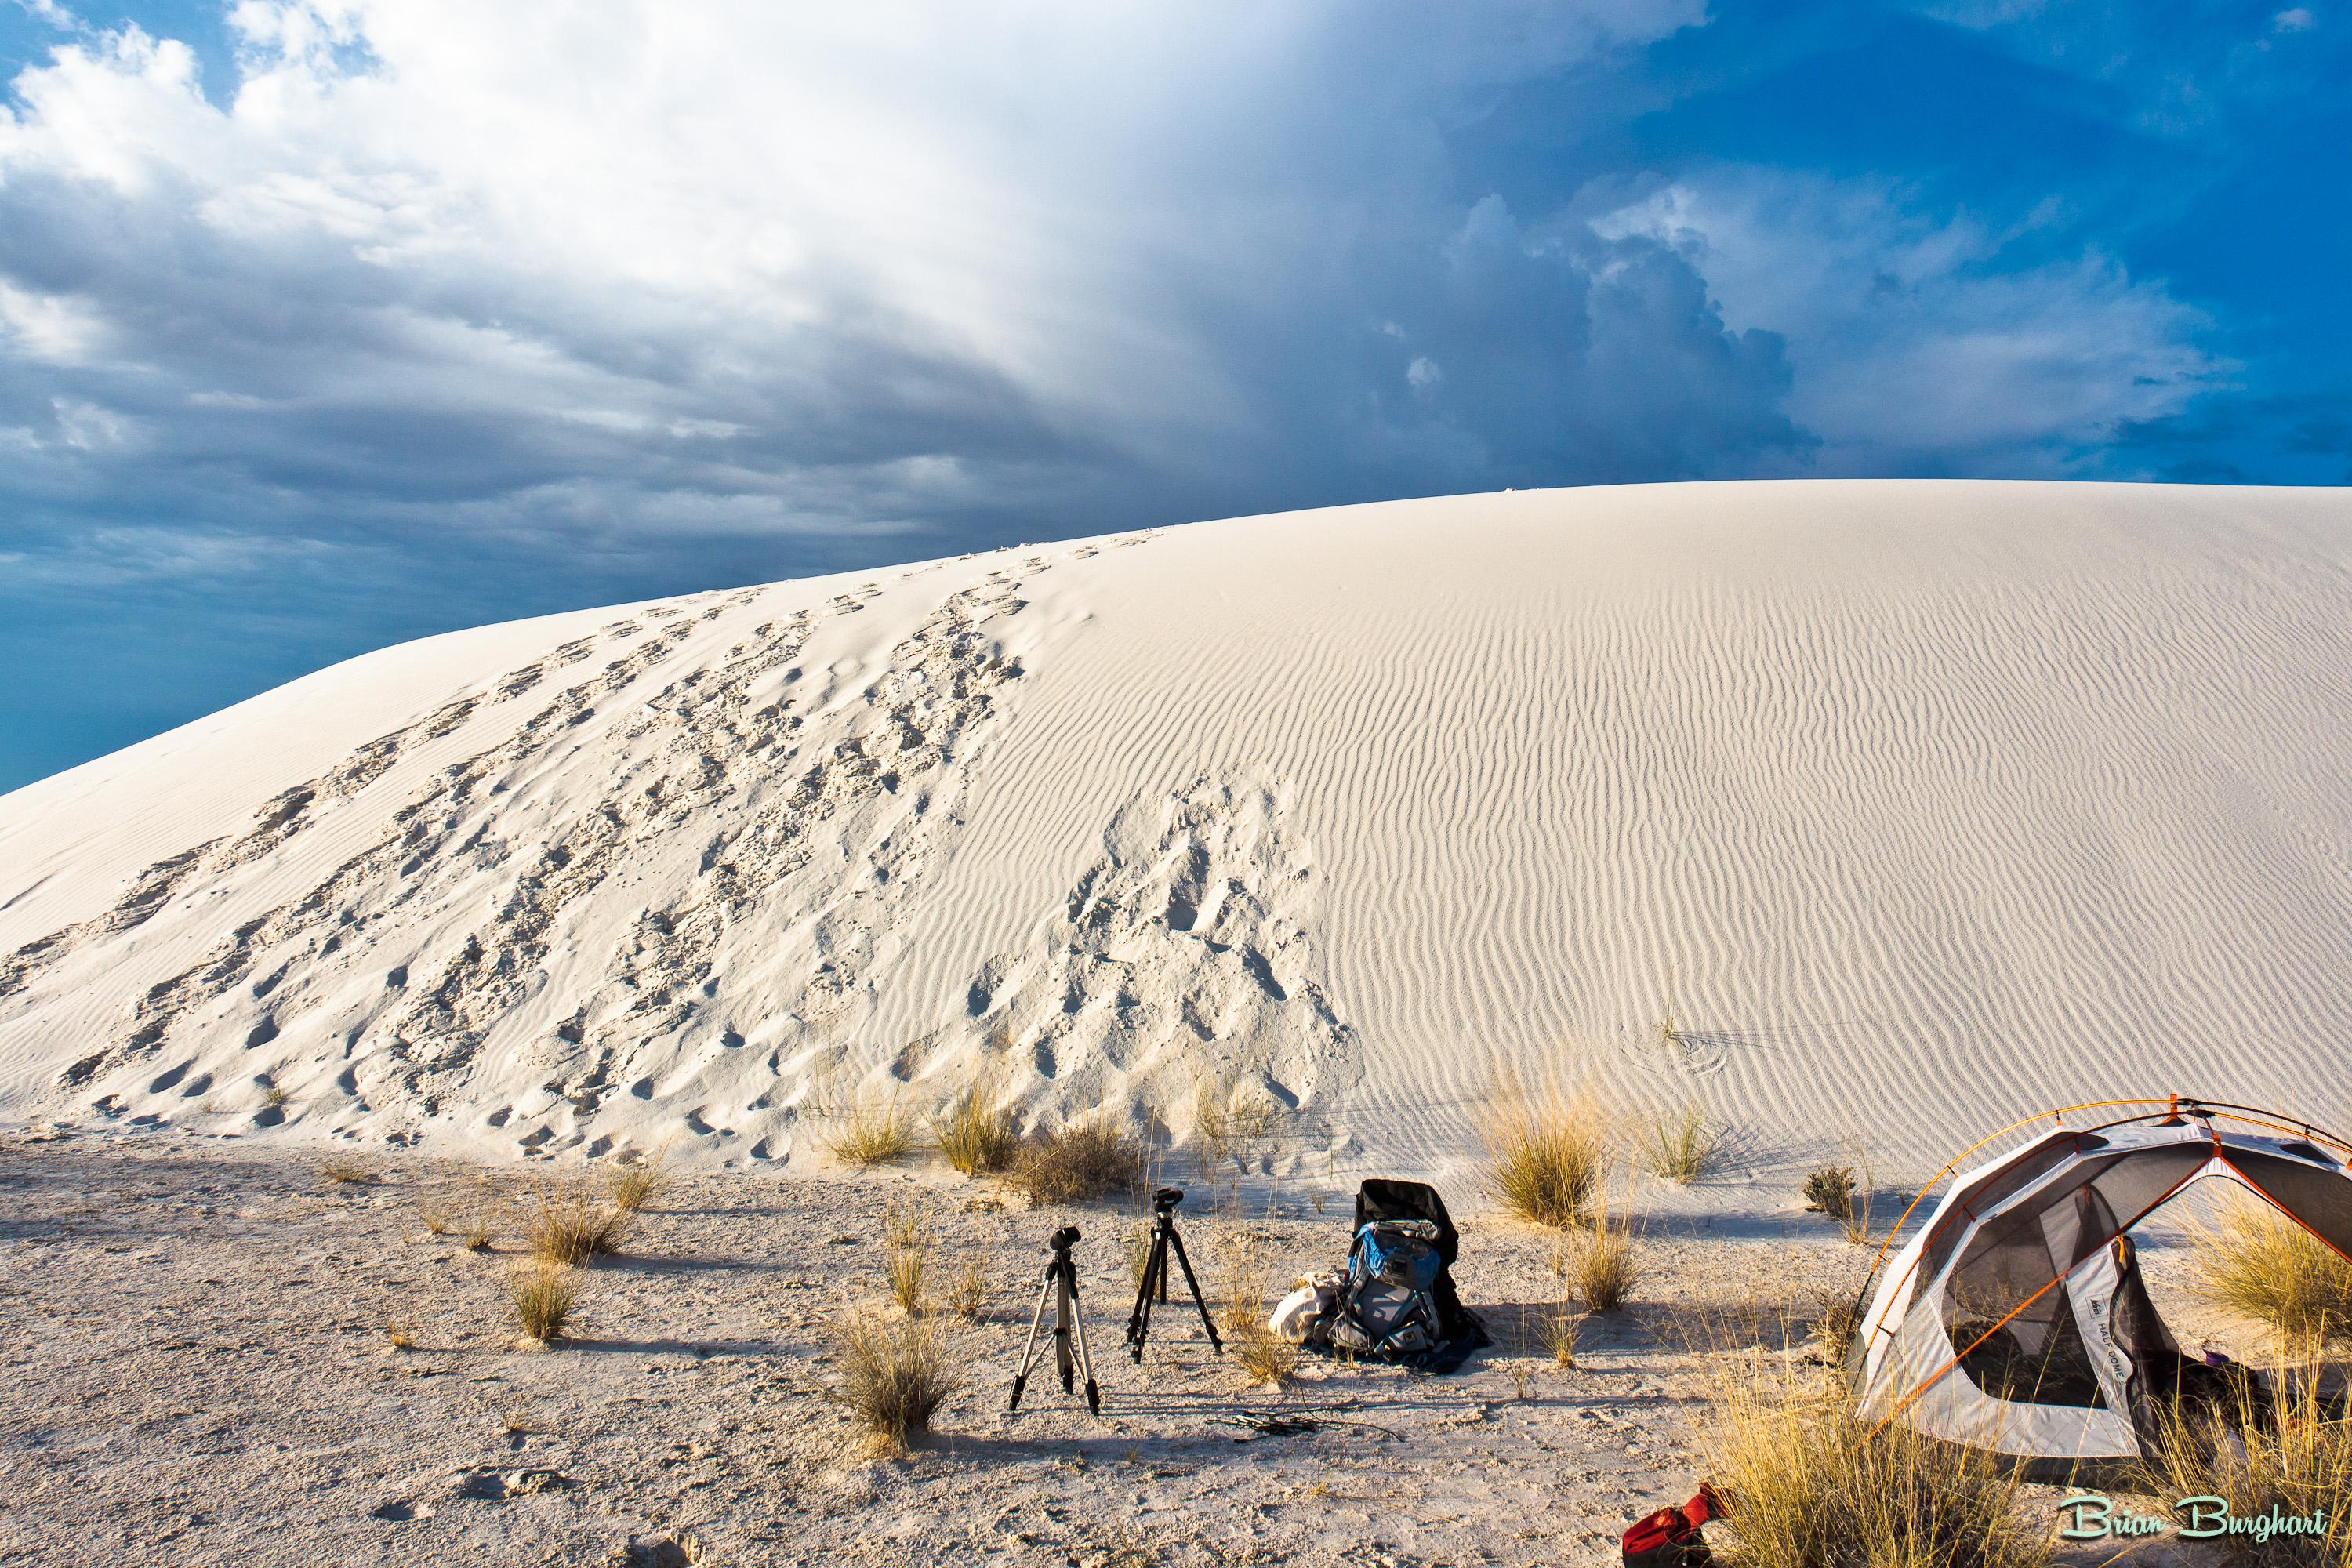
(722, 768)
(418, 832)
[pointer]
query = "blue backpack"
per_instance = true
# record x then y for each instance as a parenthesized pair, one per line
(1388, 1308)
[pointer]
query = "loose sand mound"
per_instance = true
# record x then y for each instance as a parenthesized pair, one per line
(1931, 803)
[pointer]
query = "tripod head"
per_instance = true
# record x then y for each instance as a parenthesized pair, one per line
(1165, 1200)
(1062, 1240)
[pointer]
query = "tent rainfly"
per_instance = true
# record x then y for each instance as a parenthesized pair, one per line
(2016, 1320)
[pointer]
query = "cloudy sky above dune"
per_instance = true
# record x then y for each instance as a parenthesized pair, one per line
(325, 323)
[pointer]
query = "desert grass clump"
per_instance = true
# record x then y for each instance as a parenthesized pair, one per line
(477, 1231)
(629, 1188)
(2262, 1266)
(1808, 1484)
(1678, 1146)
(906, 1240)
(979, 1136)
(1559, 1331)
(435, 1216)
(968, 1291)
(1544, 1152)
(1605, 1264)
(1241, 1278)
(892, 1372)
(543, 1294)
(1089, 1159)
(346, 1171)
(273, 1097)
(1225, 1133)
(570, 1231)
(871, 1133)
(2288, 1458)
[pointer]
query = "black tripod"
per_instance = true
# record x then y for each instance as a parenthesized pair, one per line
(1060, 1286)
(1155, 1274)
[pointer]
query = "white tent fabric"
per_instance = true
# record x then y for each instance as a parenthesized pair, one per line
(2028, 1239)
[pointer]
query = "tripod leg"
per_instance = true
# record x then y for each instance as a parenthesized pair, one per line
(1137, 1318)
(1029, 1346)
(1062, 1314)
(1216, 1343)
(1085, 1356)
(1155, 1278)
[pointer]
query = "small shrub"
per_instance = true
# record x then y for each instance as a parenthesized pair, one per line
(273, 1097)
(1603, 1264)
(979, 1136)
(1138, 1245)
(630, 1188)
(1807, 1484)
(1089, 1159)
(571, 1231)
(1837, 1192)
(872, 1132)
(400, 1336)
(906, 1252)
(1829, 1190)
(893, 1371)
(1264, 1357)
(2294, 1455)
(435, 1216)
(2262, 1266)
(542, 1294)
(1544, 1152)
(346, 1171)
(1678, 1146)
(477, 1231)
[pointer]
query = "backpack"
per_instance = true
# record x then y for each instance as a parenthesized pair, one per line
(1388, 1308)
(1670, 1538)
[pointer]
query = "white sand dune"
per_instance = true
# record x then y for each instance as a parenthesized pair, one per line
(1942, 802)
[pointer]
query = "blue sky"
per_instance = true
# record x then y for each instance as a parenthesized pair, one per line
(327, 323)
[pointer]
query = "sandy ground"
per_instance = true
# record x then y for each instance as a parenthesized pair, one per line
(202, 1366)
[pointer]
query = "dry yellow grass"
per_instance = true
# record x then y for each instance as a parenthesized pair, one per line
(572, 1230)
(979, 1136)
(1089, 1159)
(346, 1171)
(2294, 1456)
(1678, 1146)
(892, 1372)
(542, 1294)
(1228, 1129)
(1557, 1331)
(629, 1188)
(906, 1240)
(1604, 1263)
(1241, 1281)
(435, 1216)
(871, 1133)
(1807, 1485)
(968, 1291)
(2262, 1266)
(1544, 1152)
(477, 1231)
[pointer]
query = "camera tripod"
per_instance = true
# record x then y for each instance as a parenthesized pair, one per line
(1070, 1354)
(1155, 1274)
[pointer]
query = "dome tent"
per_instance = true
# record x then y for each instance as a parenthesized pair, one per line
(2015, 1319)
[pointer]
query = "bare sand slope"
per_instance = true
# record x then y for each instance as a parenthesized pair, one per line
(1940, 803)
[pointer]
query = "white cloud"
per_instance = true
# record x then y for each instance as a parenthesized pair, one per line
(829, 239)
(2297, 20)
(1923, 342)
